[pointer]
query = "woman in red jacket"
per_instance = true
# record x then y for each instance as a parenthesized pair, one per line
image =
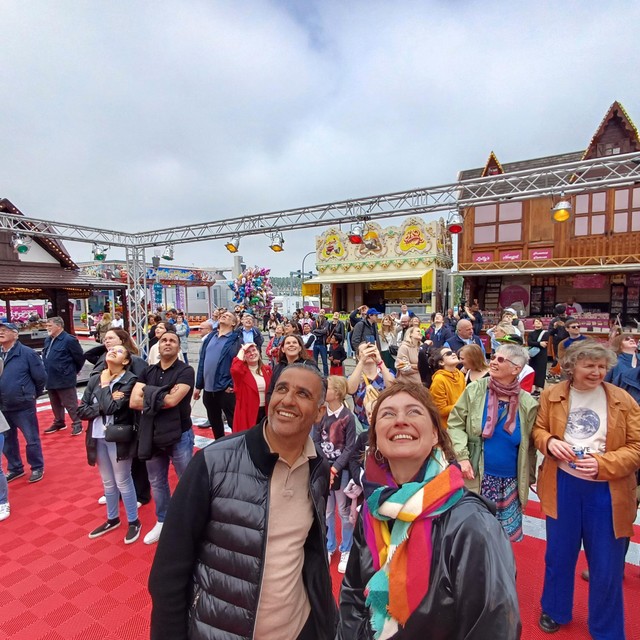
(251, 380)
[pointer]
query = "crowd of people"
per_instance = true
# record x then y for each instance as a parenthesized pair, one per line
(426, 449)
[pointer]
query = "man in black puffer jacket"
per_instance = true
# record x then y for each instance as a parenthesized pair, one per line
(243, 549)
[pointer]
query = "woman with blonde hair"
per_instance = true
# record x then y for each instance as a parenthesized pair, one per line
(335, 435)
(103, 326)
(474, 363)
(388, 341)
(407, 359)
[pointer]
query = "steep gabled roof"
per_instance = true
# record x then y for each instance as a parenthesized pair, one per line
(618, 119)
(493, 166)
(52, 246)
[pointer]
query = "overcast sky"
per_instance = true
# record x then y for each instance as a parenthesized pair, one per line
(139, 115)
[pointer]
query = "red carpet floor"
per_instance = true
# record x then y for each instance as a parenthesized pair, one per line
(56, 584)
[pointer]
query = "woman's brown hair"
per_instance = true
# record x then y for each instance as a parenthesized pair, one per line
(423, 396)
(303, 355)
(616, 343)
(127, 341)
(475, 356)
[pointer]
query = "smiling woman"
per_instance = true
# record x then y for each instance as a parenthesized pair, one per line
(400, 581)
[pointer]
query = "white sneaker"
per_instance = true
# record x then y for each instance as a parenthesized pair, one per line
(4, 511)
(102, 500)
(154, 535)
(342, 565)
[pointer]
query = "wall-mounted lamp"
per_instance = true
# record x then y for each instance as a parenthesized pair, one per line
(562, 211)
(99, 253)
(21, 243)
(167, 254)
(277, 243)
(455, 223)
(232, 245)
(355, 233)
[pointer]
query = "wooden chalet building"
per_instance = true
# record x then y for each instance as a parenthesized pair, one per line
(512, 254)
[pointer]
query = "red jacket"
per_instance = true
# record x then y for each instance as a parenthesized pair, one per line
(246, 390)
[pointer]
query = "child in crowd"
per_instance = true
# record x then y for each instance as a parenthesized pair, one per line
(337, 356)
(335, 434)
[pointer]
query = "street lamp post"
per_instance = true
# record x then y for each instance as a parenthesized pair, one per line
(303, 274)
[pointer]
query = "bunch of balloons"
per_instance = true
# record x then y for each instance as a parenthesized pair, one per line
(253, 290)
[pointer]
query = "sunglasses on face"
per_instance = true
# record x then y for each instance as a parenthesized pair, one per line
(446, 354)
(574, 326)
(502, 359)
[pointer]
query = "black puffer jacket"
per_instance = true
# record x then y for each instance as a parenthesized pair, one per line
(207, 572)
(472, 587)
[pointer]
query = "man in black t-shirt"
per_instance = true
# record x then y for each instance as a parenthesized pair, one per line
(163, 394)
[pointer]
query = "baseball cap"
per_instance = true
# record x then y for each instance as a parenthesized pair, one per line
(510, 310)
(373, 312)
(9, 325)
(513, 338)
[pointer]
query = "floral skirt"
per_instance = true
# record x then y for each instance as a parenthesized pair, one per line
(504, 492)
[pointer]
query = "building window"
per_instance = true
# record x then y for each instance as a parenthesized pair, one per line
(626, 214)
(498, 223)
(590, 211)
(201, 294)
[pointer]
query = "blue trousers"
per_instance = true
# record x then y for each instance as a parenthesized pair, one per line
(25, 420)
(585, 516)
(322, 350)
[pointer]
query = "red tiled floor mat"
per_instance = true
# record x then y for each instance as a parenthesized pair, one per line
(56, 584)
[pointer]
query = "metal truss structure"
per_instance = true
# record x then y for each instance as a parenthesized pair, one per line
(569, 178)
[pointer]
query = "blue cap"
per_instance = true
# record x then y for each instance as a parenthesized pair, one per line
(9, 325)
(373, 312)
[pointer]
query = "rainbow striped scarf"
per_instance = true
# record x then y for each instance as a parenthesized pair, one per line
(402, 555)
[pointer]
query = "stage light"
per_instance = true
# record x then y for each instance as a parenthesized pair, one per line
(168, 253)
(355, 234)
(100, 253)
(21, 243)
(455, 223)
(277, 243)
(232, 245)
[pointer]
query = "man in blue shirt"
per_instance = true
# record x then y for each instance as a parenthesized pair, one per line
(248, 332)
(214, 373)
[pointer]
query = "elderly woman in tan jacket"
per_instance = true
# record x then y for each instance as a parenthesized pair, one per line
(589, 433)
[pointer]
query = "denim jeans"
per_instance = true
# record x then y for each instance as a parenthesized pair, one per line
(4, 487)
(27, 421)
(117, 480)
(344, 508)
(322, 350)
(158, 468)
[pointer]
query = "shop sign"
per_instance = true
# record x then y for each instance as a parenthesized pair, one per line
(427, 282)
(589, 281)
(633, 279)
(333, 247)
(413, 238)
(510, 256)
(483, 257)
(540, 254)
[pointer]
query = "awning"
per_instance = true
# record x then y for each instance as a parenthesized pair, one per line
(608, 268)
(368, 276)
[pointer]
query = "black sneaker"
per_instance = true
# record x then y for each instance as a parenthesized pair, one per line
(77, 430)
(14, 475)
(105, 528)
(54, 429)
(133, 532)
(36, 475)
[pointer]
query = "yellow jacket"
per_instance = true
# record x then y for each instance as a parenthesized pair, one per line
(446, 387)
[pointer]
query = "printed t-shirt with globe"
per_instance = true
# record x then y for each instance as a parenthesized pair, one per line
(586, 424)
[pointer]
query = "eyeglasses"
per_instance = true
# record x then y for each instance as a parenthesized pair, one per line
(574, 326)
(446, 354)
(502, 359)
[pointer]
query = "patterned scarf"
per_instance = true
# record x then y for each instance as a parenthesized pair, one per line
(402, 555)
(511, 391)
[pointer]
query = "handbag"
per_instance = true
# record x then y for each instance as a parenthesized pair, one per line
(119, 432)
(534, 351)
(393, 350)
